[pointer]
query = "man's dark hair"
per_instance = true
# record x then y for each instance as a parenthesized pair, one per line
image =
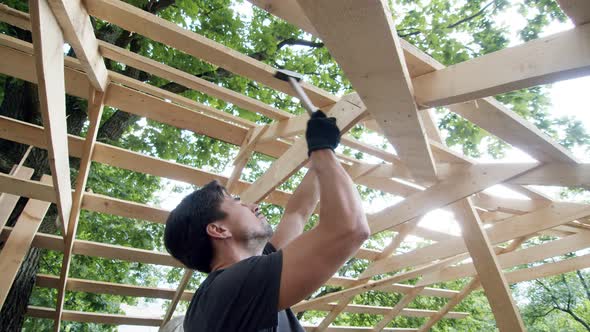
(186, 237)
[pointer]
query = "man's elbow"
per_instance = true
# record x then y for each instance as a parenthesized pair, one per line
(360, 230)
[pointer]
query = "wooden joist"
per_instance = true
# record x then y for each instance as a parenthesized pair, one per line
(134, 19)
(473, 180)
(548, 217)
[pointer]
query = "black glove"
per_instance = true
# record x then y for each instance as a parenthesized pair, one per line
(322, 132)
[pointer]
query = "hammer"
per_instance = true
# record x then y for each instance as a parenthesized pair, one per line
(293, 78)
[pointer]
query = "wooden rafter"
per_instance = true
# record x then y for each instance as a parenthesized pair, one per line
(379, 76)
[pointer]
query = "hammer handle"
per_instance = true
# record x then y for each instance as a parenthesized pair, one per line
(307, 104)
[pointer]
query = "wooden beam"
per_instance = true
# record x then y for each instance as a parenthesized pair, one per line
(18, 244)
(561, 56)
(186, 277)
(8, 201)
(548, 217)
(577, 10)
(95, 108)
(549, 269)
(49, 61)
(473, 284)
(79, 33)
(134, 19)
(488, 269)
(395, 311)
(137, 61)
(529, 255)
(556, 174)
(347, 114)
(475, 179)
(380, 77)
(93, 317)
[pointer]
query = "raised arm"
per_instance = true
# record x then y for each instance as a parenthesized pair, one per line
(312, 258)
(298, 210)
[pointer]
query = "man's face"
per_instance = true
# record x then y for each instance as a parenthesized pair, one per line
(245, 221)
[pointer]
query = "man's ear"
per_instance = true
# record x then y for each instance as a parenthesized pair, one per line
(218, 231)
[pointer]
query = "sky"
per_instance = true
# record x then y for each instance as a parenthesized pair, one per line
(568, 99)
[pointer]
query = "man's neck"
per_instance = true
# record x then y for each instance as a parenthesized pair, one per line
(227, 254)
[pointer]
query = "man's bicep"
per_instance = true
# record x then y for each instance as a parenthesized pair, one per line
(290, 227)
(310, 260)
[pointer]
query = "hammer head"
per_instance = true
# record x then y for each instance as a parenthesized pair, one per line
(285, 74)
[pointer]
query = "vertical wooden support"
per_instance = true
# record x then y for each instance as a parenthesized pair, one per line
(95, 108)
(490, 273)
(49, 55)
(19, 241)
(186, 277)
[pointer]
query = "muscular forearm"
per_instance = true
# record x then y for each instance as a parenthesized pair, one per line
(305, 198)
(341, 205)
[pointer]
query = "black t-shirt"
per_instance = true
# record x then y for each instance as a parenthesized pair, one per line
(243, 297)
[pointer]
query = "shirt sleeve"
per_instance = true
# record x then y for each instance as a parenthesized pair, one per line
(258, 295)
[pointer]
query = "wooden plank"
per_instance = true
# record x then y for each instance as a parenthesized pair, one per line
(18, 244)
(577, 10)
(449, 305)
(15, 17)
(49, 60)
(529, 255)
(376, 310)
(8, 201)
(566, 175)
(549, 269)
(95, 108)
(548, 217)
(190, 81)
(395, 311)
(558, 57)
(475, 179)
(93, 317)
(488, 269)
(79, 33)
(134, 19)
(347, 113)
(379, 77)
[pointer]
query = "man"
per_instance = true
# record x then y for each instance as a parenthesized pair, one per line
(255, 275)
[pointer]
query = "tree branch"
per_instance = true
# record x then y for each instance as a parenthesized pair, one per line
(298, 41)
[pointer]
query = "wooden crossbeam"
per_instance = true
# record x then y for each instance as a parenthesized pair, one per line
(79, 33)
(548, 217)
(134, 19)
(19, 242)
(475, 179)
(545, 60)
(95, 108)
(488, 269)
(49, 61)
(395, 311)
(380, 76)
(347, 113)
(529, 255)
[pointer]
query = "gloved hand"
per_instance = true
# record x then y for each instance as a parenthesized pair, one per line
(322, 132)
